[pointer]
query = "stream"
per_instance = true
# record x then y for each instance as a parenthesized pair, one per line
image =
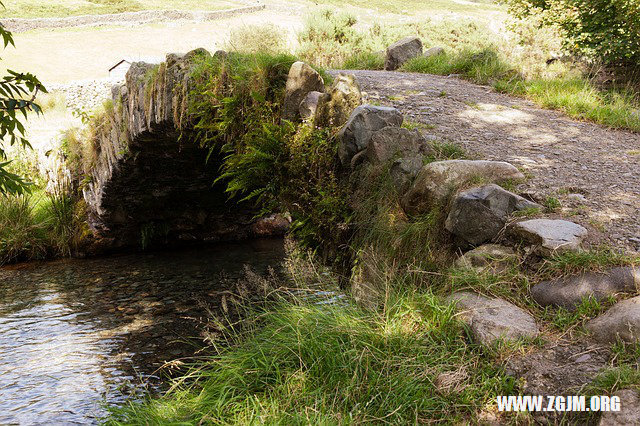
(77, 335)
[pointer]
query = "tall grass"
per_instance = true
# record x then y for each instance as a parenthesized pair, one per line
(37, 226)
(327, 364)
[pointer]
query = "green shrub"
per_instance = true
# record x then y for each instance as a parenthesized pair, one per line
(258, 38)
(22, 233)
(606, 30)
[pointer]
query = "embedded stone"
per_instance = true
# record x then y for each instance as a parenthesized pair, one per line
(301, 80)
(569, 292)
(438, 179)
(404, 170)
(344, 96)
(393, 142)
(622, 321)
(309, 105)
(364, 121)
(401, 51)
(488, 256)
(479, 214)
(550, 235)
(494, 319)
(434, 51)
(629, 413)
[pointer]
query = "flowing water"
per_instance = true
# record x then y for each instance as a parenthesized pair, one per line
(76, 335)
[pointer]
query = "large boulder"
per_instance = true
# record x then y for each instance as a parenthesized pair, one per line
(302, 79)
(550, 236)
(621, 320)
(438, 179)
(401, 51)
(344, 96)
(629, 412)
(492, 257)
(494, 319)
(479, 214)
(359, 129)
(569, 292)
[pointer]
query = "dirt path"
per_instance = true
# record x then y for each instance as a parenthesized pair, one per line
(592, 170)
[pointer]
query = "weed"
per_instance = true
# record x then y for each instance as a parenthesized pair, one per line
(551, 204)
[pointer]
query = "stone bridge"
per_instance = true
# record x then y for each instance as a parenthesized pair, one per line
(149, 183)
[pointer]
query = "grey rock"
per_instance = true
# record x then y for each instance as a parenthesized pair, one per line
(479, 214)
(335, 109)
(391, 142)
(301, 80)
(363, 122)
(404, 170)
(309, 105)
(401, 51)
(488, 256)
(629, 413)
(438, 179)
(494, 319)
(568, 292)
(621, 320)
(434, 51)
(550, 235)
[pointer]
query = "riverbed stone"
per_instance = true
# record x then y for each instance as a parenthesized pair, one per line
(487, 256)
(301, 80)
(401, 51)
(621, 320)
(550, 235)
(629, 413)
(479, 214)
(439, 179)
(344, 96)
(494, 319)
(569, 292)
(364, 121)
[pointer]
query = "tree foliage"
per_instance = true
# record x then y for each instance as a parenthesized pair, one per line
(605, 30)
(17, 99)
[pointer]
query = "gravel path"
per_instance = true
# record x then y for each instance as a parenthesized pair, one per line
(592, 170)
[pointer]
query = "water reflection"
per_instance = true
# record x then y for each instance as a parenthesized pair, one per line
(74, 334)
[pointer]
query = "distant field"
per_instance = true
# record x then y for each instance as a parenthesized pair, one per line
(58, 8)
(412, 7)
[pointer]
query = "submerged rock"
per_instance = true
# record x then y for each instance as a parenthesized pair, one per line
(569, 292)
(401, 51)
(494, 319)
(363, 123)
(621, 320)
(479, 214)
(301, 80)
(438, 179)
(550, 235)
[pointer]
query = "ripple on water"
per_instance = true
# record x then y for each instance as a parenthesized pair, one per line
(77, 334)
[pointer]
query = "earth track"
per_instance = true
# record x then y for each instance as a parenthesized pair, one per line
(592, 170)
